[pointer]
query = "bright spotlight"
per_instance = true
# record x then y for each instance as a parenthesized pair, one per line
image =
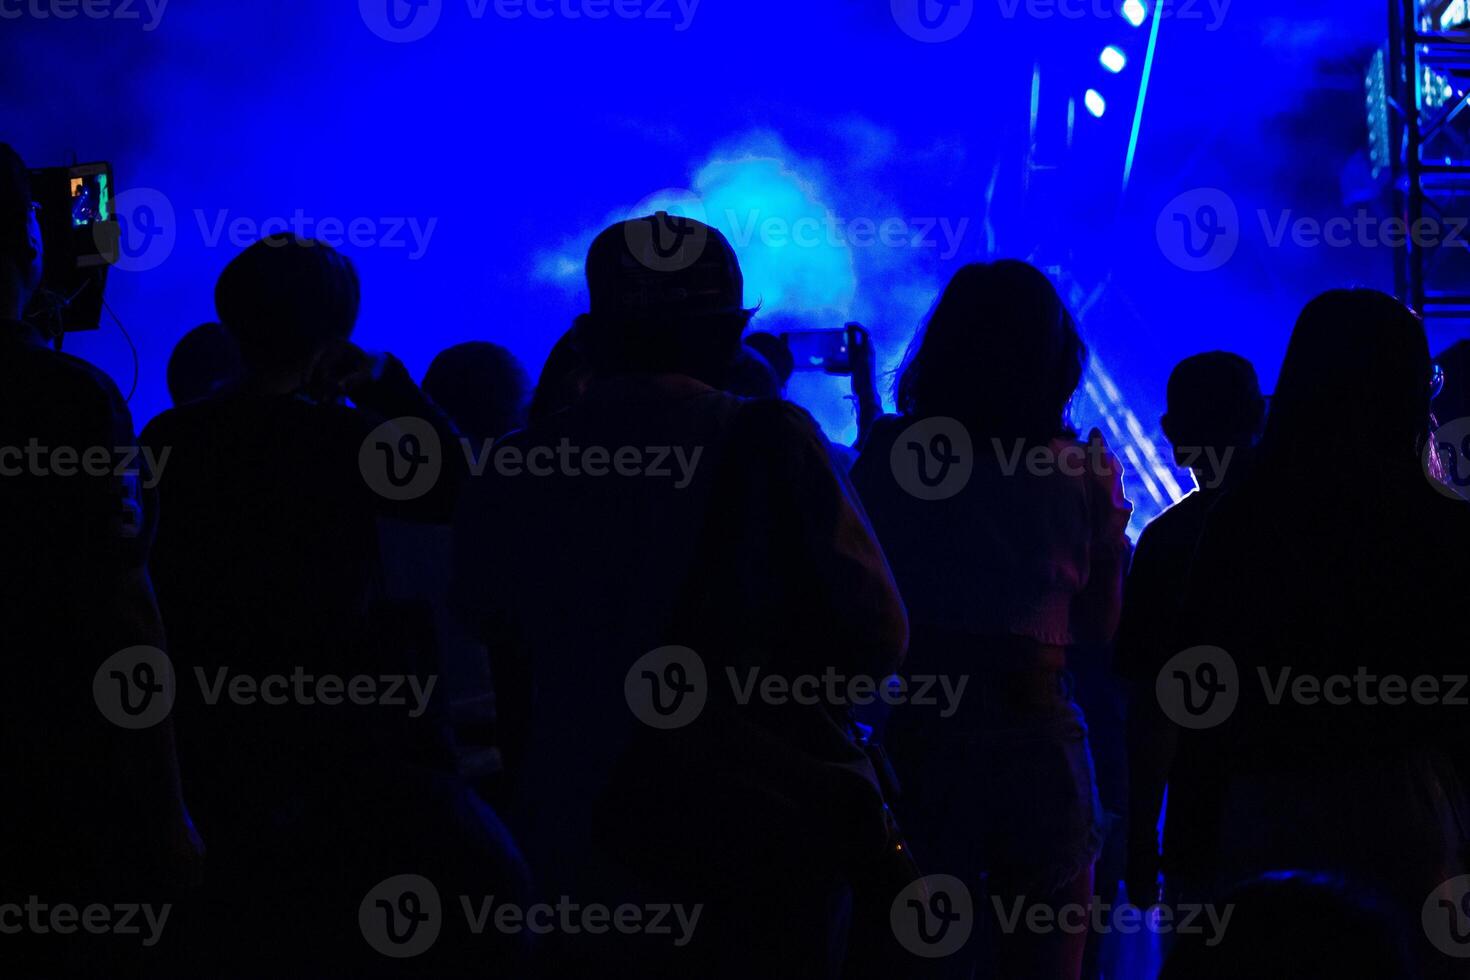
(1113, 58)
(1095, 103)
(1135, 12)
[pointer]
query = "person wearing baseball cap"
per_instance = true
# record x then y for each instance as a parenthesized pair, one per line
(656, 511)
(666, 296)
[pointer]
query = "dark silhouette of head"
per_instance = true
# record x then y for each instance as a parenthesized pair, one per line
(564, 376)
(752, 377)
(1000, 353)
(205, 361)
(482, 386)
(286, 300)
(1356, 383)
(1292, 925)
(666, 297)
(1214, 403)
(776, 352)
(20, 236)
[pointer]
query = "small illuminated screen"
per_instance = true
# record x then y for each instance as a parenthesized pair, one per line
(91, 200)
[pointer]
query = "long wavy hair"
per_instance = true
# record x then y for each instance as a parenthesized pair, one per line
(1355, 386)
(1000, 353)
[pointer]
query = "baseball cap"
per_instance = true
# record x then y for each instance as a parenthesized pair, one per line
(661, 266)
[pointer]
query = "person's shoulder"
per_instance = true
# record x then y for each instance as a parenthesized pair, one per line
(66, 375)
(1184, 519)
(883, 433)
(776, 420)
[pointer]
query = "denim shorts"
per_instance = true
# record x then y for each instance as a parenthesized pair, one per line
(1002, 791)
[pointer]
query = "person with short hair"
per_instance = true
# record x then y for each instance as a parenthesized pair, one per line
(1215, 416)
(269, 566)
(482, 386)
(205, 362)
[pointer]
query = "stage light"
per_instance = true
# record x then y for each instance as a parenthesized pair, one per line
(1135, 12)
(1095, 103)
(1455, 15)
(1113, 58)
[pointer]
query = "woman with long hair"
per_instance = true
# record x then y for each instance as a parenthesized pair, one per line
(1326, 581)
(1006, 536)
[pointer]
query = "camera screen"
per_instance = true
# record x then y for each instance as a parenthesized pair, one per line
(91, 199)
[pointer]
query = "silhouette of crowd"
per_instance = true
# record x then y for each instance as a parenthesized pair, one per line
(631, 672)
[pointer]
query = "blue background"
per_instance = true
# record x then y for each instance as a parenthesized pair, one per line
(521, 137)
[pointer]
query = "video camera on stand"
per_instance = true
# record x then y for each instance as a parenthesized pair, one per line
(80, 234)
